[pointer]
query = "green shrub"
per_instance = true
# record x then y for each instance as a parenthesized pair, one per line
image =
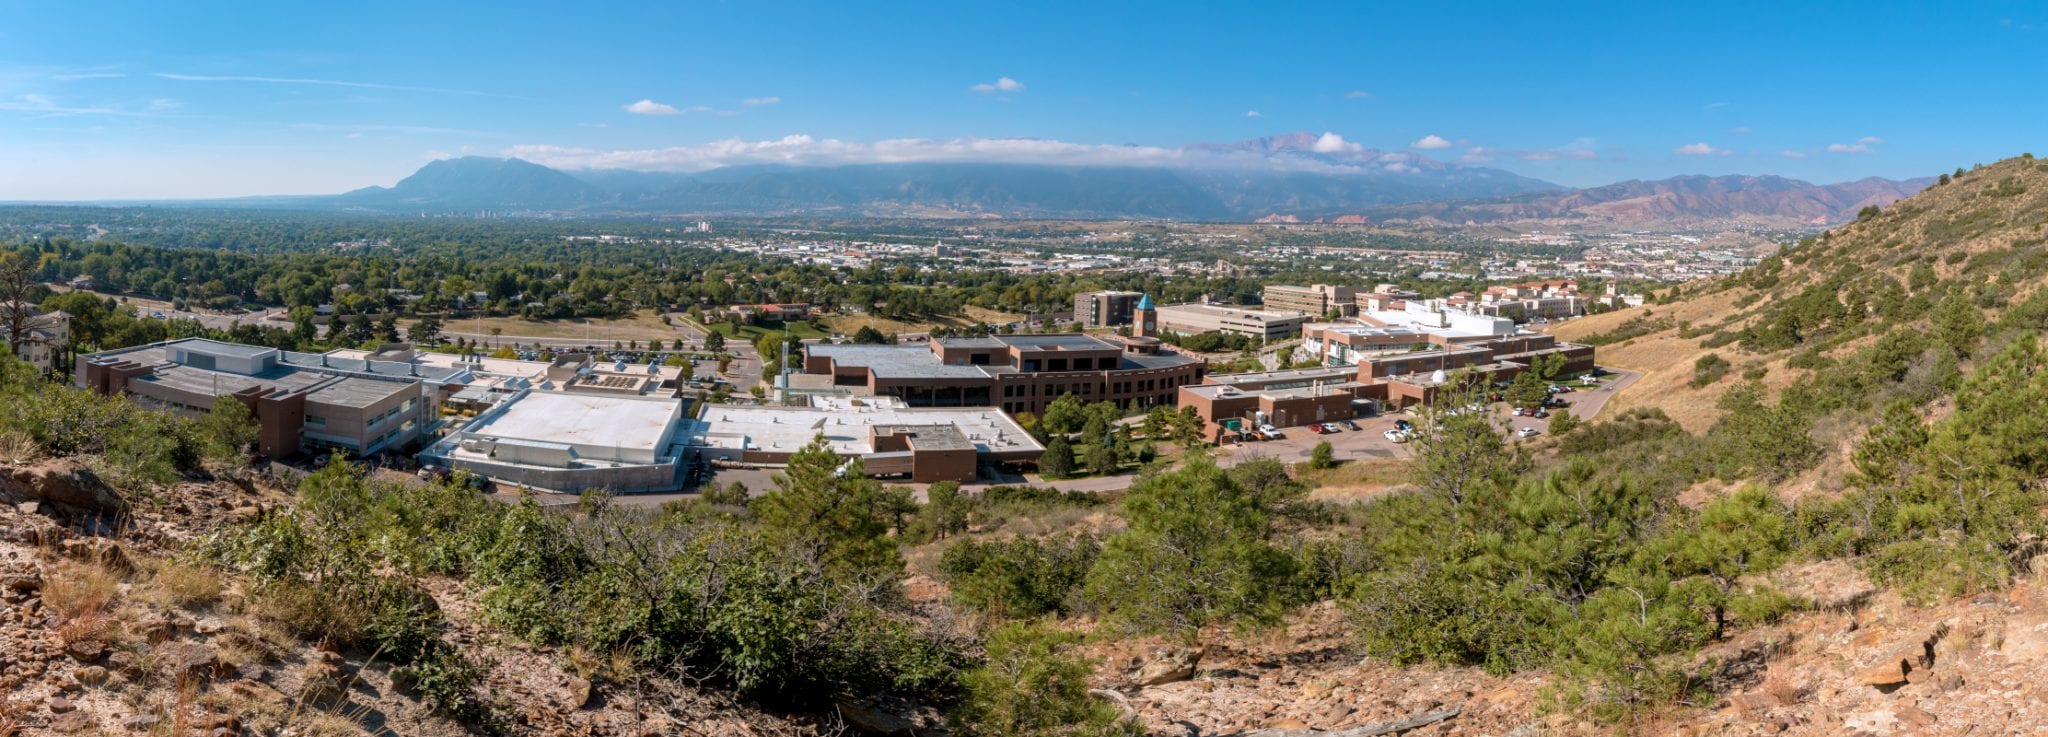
(1021, 577)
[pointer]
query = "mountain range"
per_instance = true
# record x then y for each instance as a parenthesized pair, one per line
(1292, 177)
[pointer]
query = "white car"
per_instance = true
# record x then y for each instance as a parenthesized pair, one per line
(1396, 436)
(1270, 432)
(1527, 432)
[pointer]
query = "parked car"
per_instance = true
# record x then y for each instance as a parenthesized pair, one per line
(1395, 436)
(1332, 427)
(1518, 412)
(1269, 432)
(1403, 425)
(1319, 429)
(1540, 413)
(1349, 425)
(1527, 432)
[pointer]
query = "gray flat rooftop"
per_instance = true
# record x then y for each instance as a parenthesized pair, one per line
(218, 348)
(1067, 342)
(1270, 377)
(582, 419)
(897, 361)
(929, 437)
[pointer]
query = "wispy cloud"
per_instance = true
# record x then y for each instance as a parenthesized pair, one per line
(769, 100)
(650, 107)
(1791, 154)
(1700, 149)
(1582, 149)
(1003, 84)
(1357, 95)
(804, 150)
(1740, 130)
(320, 83)
(1861, 146)
(1252, 113)
(47, 106)
(1431, 142)
(72, 76)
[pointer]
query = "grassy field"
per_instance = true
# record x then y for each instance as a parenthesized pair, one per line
(750, 333)
(641, 326)
(849, 324)
(1359, 479)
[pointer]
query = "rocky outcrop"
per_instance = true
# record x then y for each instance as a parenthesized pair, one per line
(64, 485)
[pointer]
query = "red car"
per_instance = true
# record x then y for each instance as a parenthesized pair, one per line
(1318, 429)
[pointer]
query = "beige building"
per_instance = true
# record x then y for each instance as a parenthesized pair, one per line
(46, 338)
(1317, 300)
(302, 401)
(1208, 318)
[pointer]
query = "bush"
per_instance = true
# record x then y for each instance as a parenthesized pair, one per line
(1021, 577)
(1028, 688)
(1709, 369)
(1322, 456)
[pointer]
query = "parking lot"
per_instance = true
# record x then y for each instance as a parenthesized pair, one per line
(1369, 440)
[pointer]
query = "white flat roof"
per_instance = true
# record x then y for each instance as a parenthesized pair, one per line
(846, 424)
(583, 419)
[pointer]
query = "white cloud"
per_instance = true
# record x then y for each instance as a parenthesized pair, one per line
(67, 77)
(1357, 95)
(1252, 113)
(1580, 149)
(1700, 149)
(1741, 130)
(164, 104)
(1004, 84)
(804, 150)
(769, 100)
(1869, 140)
(1431, 142)
(1791, 154)
(1848, 148)
(1331, 143)
(650, 107)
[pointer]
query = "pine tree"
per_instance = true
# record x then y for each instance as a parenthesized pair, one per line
(842, 518)
(1058, 459)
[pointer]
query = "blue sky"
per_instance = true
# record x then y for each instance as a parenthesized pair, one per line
(204, 99)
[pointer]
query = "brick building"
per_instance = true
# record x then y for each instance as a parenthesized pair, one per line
(1017, 373)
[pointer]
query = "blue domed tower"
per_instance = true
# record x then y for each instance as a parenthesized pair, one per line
(1145, 319)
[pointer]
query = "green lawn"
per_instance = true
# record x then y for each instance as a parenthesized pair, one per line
(750, 333)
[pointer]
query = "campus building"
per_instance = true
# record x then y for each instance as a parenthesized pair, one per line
(302, 401)
(1317, 299)
(1372, 383)
(1105, 309)
(569, 441)
(1016, 373)
(1247, 321)
(922, 444)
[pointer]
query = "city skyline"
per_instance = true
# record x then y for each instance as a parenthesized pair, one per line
(132, 101)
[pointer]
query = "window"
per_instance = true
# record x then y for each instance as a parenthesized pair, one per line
(316, 420)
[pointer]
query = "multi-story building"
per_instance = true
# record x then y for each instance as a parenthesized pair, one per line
(302, 401)
(45, 337)
(1393, 380)
(1318, 299)
(1105, 309)
(1017, 373)
(1248, 321)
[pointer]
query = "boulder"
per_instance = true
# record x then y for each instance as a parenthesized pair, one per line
(869, 719)
(189, 661)
(69, 484)
(577, 694)
(1168, 665)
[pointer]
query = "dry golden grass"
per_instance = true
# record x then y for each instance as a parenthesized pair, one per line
(850, 324)
(1665, 359)
(1358, 479)
(178, 585)
(74, 589)
(641, 326)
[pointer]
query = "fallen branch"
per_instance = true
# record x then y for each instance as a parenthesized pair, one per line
(1370, 730)
(1123, 703)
